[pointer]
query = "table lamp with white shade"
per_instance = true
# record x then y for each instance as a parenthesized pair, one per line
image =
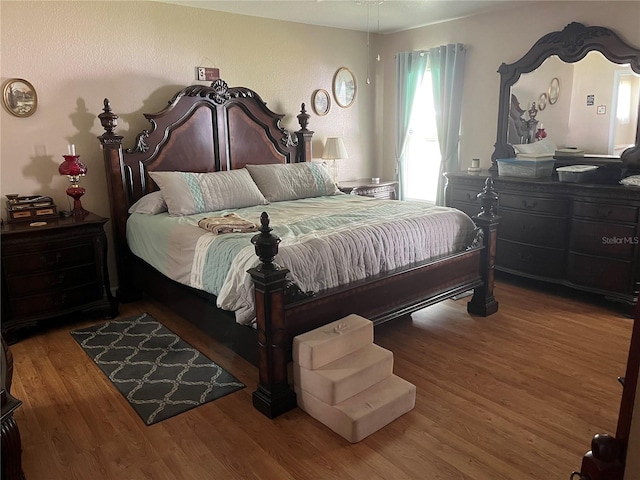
(334, 149)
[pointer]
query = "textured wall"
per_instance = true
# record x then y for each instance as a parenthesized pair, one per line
(138, 54)
(494, 38)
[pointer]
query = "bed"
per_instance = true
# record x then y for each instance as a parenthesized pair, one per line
(219, 131)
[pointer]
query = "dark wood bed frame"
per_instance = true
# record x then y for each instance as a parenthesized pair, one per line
(214, 128)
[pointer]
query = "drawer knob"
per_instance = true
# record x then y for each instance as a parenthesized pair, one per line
(525, 257)
(51, 261)
(54, 282)
(528, 205)
(603, 213)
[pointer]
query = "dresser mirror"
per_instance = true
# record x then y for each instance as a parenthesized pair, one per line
(577, 69)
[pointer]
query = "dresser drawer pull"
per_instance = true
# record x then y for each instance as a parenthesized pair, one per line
(525, 257)
(603, 214)
(51, 261)
(528, 205)
(57, 281)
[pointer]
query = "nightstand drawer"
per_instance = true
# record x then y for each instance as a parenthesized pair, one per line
(49, 259)
(45, 303)
(366, 188)
(22, 285)
(54, 269)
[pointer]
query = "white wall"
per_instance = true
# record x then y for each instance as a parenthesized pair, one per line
(138, 54)
(492, 39)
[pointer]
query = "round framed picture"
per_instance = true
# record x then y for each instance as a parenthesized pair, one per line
(542, 101)
(19, 97)
(321, 102)
(344, 87)
(554, 90)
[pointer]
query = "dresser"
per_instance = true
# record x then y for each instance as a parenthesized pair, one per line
(54, 269)
(585, 236)
(387, 189)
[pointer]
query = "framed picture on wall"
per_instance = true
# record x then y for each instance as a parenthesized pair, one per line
(344, 87)
(19, 97)
(321, 102)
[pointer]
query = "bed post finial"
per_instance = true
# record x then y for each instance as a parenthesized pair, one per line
(266, 244)
(488, 200)
(303, 118)
(273, 396)
(304, 136)
(108, 119)
(483, 302)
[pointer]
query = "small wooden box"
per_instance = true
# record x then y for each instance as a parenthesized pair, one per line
(30, 209)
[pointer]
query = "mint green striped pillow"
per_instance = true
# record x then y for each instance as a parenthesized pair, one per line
(187, 193)
(291, 181)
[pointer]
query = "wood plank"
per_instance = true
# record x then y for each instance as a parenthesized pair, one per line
(517, 395)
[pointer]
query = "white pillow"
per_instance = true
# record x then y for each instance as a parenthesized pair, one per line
(187, 193)
(151, 204)
(290, 181)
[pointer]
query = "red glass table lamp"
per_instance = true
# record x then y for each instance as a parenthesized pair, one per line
(73, 168)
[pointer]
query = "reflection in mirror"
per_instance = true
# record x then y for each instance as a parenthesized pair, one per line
(607, 126)
(573, 120)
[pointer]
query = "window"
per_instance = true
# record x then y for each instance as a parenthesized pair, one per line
(422, 154)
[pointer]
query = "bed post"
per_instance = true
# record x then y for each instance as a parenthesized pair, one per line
(483, 302)
(112, 152)
(273, 396)
(304, 136)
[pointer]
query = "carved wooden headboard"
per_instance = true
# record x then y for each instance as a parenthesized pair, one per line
(202, 129)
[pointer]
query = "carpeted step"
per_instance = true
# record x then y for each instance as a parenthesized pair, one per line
(347, 376)
(364, 413)
(325, 344)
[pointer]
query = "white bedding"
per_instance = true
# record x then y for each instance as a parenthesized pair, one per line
(326, 242)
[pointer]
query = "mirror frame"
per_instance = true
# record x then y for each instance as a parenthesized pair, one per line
(570, 45)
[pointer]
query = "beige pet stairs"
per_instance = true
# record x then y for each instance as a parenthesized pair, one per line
(346, 381)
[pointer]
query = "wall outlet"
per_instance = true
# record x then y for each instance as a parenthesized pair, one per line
(205, 74)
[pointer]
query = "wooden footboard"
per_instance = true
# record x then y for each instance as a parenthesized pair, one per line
(379, 299)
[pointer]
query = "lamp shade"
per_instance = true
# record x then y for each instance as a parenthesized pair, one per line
(334, 149)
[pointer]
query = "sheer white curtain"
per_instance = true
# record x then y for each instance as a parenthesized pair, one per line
(410, 68)
(447, 72)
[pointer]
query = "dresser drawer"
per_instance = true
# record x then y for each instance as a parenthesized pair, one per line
(544, 231)
(555, 206)
(53, 303)
(603, 239)
(601, 273)
(49, 259)
(21, 285)
(531, 260)
(611, 213)
(466, 196)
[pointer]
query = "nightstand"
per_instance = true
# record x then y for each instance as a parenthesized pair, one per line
(383, 189)
(54, 269)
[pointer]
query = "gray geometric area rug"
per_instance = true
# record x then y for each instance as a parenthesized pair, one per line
(160, 374)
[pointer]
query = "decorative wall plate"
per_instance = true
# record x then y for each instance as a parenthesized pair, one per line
(554, 90)
(344, 87)
(321, 102)
(19, 97)
(542, 101)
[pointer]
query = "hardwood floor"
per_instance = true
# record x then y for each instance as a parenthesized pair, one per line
(514, 396)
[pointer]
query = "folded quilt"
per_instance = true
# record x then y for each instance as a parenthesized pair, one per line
(229, 223)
